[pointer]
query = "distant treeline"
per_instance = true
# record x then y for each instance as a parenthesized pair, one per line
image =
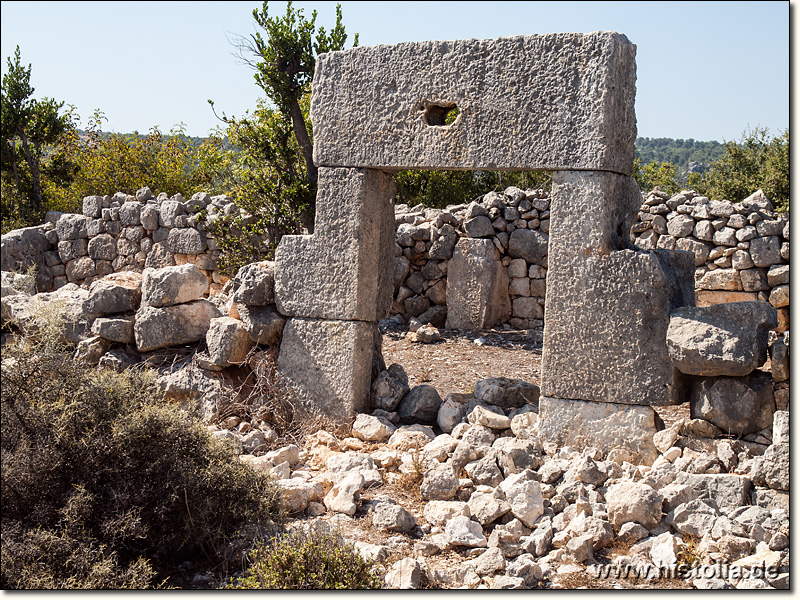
(687, 155)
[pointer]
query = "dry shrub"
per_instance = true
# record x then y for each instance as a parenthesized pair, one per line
(308, 561)
(103, 485)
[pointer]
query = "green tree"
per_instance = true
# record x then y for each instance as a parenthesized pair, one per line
(274, 176)
(29, 126)
(652, 174)
(758, 161)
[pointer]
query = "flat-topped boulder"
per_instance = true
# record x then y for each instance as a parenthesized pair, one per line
(721, 339)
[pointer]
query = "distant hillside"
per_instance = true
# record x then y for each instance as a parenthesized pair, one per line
(688, 156)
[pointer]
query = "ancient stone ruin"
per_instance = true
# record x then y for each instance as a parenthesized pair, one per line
(572, 97)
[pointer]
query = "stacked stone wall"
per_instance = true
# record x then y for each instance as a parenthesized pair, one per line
(741, 249)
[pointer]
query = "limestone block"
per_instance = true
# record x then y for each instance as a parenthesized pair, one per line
(228, 342)
(570, 95)
(728, 491)
(255, 284)
(115, 293)
(606, 326)
(603, 425)
(709, 297)
(329, 365)
(119, 329)
(737, 405)
(477, 286)
(264, 325)
(173, 285)
(723, 339)
(345, 269)
(173, 325)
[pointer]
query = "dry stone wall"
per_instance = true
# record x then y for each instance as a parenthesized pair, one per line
(741, 252)
(119, 233)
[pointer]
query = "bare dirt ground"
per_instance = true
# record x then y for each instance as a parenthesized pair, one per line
(463, 358)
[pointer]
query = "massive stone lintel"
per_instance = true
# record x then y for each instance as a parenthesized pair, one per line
(569, 96)
(344, 270)
(607, 307)
(477, 286)
(329, 366)
(602, 425)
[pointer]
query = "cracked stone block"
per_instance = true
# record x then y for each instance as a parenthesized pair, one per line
(345, 269)
(329, 365)
(602, 425)
(571, 95)
(607, 307)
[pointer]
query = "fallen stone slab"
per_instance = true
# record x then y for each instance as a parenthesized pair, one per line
(580, 424)
(723, 339)
(399, 118)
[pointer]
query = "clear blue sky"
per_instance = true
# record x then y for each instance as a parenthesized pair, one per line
(706, 70)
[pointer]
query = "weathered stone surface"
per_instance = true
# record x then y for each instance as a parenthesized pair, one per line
(530, 245)
(728, 491)
(774, 467)
(264, 324)
(463, 531)
(633, 502)
(173, 325)
(389, 388)
(71, 227)
(420, 405)
(608, 307)
(392, 517)
(723, 339)
(115, 329)
(737, 405)
(102, 247)
(345, 269)
(506, 393)
(397, 119)
(173, 285)
(24, 248)
(477, 286)
(372, 429)
(709, 297)
(228, 342)
(329, 365)
(405, 574)
(115, 293)
(440, 482)
(254, 284)
(582, 424)
(186, 240)
(90, 350)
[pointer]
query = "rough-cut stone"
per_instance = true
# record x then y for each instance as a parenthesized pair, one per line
(397, 119)
(439, 512)
(477, 286)
(389, 388)
(737, 405)
(463, 531)
(115, 293)
(173, 325)
(728, 491)
(345, 269)
(118, 329)
(329, 365)
(774, 467)
(440, 482)
(228, 342)
(582, 424)
(372, 429)
(695, 517)
(420, 405)
(633, 502)
(254, 284)
(344, 496)
(608, 307)
(529, 245)
(264, 325)
(405, 574)
(724, 339)
(506, 393)
(186, 240)
(173, 285)
(392, 517)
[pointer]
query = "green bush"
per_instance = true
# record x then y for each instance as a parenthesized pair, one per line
(308, 561)
(104, 485)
